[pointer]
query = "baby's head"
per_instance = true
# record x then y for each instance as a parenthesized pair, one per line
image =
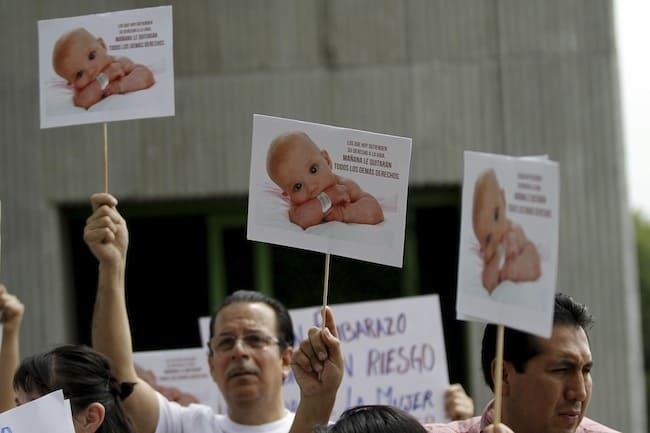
(299, 167)
(78, 57)
(489, 213)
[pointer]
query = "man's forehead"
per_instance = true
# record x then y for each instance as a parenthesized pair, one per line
(245, 316)
(568, 342)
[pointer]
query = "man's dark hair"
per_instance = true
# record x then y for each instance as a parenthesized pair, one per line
(519, 347)
(374, 419)
(286, 337)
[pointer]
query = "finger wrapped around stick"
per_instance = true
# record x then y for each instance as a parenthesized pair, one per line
(99, 235)
(101, 199)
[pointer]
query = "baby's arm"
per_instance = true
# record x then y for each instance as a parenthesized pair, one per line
(88, 96)
(362, 209)
(522, 259)
(136, 77)
(310, 213)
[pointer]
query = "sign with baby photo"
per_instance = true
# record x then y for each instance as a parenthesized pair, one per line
(328, 189)
(106, 67)
(507, 268)
(393, 350)
(181, 375)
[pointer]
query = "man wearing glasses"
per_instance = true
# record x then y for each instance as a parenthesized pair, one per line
(250, 347)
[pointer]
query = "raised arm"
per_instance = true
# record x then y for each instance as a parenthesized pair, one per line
(107, 237)
(12, 315)
(318, 377)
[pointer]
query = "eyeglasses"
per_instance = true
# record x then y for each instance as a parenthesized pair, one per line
(255, 341)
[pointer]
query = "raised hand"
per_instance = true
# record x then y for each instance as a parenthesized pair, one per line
(105, 233)
(318, 364)
(12, 310)
(458, 405)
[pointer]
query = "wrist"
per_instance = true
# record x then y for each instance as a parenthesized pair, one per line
(112, 271)
(316, 410)
(10, 330)
(325, 202)
(102, 80)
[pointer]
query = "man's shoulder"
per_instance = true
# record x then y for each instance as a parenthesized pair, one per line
(590, 426)
(472, 425)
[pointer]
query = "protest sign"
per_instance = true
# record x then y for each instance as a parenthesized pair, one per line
(106, 67)
(328, 189)
(394, 354)
(50, 413)
(509, 241)
(181, 375)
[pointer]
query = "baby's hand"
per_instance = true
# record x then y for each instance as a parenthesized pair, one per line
(113, 88)
(335, 214)
(338, 194)
(114, 71)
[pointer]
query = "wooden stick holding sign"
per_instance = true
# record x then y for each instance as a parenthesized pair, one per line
(498, 374)
(105, 157)
(326, 286)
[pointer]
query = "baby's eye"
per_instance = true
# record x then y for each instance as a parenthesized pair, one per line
(488, 239)
(92, 55)
(78, 75)
(297, 187)
(496, 214)
(313, 169)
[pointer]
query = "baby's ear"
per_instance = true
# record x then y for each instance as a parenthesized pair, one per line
(101, 42)
(326, 156)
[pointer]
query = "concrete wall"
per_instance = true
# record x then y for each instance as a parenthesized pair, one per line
(506, 76)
